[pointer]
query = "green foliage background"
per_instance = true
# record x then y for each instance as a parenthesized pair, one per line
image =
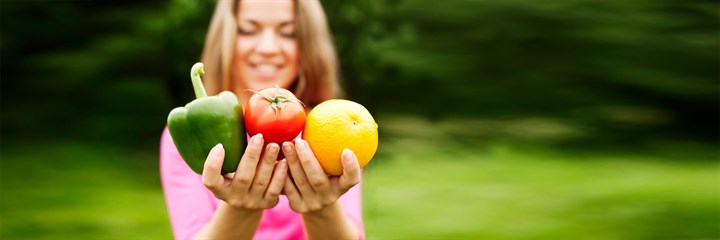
(569, 119)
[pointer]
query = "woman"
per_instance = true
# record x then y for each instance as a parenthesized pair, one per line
(255, 45)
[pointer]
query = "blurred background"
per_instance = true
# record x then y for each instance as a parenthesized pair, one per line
(512, 119)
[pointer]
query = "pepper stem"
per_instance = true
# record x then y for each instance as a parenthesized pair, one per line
(195, 74)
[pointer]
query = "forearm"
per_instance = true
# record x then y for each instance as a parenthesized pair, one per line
(231, 223)
(330, 222)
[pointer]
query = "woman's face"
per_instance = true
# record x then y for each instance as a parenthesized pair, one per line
(266, 50)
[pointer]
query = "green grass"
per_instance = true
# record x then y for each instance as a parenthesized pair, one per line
(426, 182)
(531, 195)
(492, 179)
(70, 190)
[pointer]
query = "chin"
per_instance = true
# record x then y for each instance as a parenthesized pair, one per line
(258, 84)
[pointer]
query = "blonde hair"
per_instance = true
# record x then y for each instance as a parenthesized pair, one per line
(318, 67)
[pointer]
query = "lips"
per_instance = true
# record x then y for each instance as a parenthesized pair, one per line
(266, 70)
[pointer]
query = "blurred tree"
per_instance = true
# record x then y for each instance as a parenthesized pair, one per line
(112, 70)
(637, 67)
(103, 71)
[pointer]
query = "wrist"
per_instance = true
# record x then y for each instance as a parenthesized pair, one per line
(325, 212)
(231, 223)
(240, 212)
(330, 222)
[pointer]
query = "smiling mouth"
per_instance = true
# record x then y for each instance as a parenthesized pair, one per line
(266, 70)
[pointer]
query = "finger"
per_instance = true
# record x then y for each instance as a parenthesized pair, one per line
(293, 194)
(265, 170)
(246, 169)
(316, 175)
(211, 176)
(351, 170)
(297, 171)
(277, 182)
(230, 175)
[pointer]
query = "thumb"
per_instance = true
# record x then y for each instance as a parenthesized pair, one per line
(211, 175)
(351, 169)
(217, 153)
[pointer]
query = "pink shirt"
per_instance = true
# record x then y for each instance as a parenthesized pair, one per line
(191, 205)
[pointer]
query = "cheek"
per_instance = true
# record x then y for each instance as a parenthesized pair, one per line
(242, 49)
(291, 50)
(239, 68)
(291, 53)
(291, 71)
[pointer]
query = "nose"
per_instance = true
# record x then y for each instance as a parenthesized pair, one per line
(268, 44)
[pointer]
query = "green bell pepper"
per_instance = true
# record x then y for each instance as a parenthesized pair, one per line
(205, 122)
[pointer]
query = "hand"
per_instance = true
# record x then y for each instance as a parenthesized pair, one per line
(256, 183)
(312, 190)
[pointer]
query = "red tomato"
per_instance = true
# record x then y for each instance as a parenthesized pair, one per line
(276, 113)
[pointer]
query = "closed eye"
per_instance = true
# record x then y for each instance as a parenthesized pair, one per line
(243, 31)
(287, 29)
(288, 34)
(248, 27)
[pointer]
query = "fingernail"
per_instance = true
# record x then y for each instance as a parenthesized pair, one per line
(217, 149)
(287, 148)
(347, 155)
(302, 143)
(272, 148)
(257, 139)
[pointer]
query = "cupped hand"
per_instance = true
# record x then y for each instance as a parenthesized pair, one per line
(311, 189)
(257, 181)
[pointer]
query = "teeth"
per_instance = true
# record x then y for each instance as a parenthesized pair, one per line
(266, 68)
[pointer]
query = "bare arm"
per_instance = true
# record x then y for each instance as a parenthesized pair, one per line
(231, 223)
(315, 195)
(330, 222)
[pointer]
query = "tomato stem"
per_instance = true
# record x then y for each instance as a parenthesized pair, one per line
(278, 101)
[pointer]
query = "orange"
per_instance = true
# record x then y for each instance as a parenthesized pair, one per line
(337, 124)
